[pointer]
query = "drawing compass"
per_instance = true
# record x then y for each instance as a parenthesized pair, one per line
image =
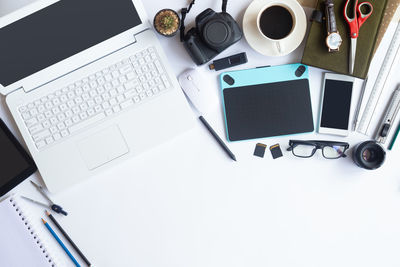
(56, 208)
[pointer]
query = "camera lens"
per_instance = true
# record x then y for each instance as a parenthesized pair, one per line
(369, 155)
(216, 33)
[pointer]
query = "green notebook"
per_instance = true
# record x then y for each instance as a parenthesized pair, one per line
(316, 53)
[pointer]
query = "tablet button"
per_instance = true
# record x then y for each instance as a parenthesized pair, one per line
(229, 80)
(300, 71)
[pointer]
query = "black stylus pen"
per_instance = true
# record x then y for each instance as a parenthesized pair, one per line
(219, 140)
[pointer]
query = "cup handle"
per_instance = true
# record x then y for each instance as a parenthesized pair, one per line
(279, 47)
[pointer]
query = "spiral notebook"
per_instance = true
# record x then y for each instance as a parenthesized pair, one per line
(20, 244)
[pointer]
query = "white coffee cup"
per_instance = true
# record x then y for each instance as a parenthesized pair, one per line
(279, 43)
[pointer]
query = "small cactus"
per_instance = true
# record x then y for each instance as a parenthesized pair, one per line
(167, 22)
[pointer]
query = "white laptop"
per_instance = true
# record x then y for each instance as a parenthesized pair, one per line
(88, 85)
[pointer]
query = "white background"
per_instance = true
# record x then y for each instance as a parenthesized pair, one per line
(186, 203)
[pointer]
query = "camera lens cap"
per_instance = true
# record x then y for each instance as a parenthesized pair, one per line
(216, 33)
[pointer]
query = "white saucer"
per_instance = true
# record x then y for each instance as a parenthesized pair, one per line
(262, 45)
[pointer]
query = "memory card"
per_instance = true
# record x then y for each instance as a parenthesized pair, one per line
(276, 151)
(260, 150)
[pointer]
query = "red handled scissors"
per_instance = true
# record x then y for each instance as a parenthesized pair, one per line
(355, 22)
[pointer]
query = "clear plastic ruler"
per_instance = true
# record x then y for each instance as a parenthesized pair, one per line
(380, 82)
(390, 116)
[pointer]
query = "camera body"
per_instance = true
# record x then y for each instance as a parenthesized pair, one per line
(214, 32)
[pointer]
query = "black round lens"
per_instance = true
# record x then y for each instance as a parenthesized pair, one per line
(369, 155)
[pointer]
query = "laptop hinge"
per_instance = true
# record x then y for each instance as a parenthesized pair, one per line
(4, 91)
(134, 36)
(12, 91)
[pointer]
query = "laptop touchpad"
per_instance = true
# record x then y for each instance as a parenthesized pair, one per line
(103, 147)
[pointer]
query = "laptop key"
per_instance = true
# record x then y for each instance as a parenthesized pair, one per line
(122, 79)
(83, 115)
(57, 136)
(113, 102)
(46, 124)
(76, 119)
(90, 112)
(53, 120)
(101, 80)
(36, 128)
(97, 109)
(31, 122)
(40, 144)
(108, 77)
(41, 117)
(130, 94)
(41, 135)
(109, 112)
(86, 123)
(49, 140)
(116, 109)
(64, 133)
(130, 75)
(126, 104)
(53, 130)
(120, 98)
(126, 69)
(115, 74)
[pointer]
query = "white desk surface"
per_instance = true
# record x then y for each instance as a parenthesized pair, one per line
(186, 203)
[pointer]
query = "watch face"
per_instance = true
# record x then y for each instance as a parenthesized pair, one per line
(334, 40)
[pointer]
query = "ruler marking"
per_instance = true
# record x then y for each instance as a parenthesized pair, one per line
(378, 87)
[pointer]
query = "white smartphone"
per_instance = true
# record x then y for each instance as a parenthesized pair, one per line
(335, 104)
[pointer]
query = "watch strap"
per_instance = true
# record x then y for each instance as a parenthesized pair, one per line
(330, 16)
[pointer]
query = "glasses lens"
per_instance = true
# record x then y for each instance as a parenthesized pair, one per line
(333, 152)
(304, 151)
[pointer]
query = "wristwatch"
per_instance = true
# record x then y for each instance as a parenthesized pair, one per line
(334, 40)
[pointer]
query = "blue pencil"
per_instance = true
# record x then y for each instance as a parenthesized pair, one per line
(60, 242)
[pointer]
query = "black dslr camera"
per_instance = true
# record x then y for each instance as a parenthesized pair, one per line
(214, 32)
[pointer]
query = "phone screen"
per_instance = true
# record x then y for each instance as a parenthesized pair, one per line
(336, 104)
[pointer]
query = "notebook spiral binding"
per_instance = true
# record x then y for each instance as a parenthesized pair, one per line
(32, 231)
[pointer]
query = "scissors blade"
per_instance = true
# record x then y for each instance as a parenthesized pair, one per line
(36, 202)
(352, 58)
(41, 190)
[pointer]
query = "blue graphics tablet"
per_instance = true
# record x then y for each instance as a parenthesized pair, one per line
(266, 102)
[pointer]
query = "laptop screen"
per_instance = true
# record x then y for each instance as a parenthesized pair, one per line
(59, 31)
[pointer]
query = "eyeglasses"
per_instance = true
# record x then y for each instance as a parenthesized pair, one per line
(307, 149)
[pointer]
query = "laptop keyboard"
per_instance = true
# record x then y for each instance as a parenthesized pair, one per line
(94, 98)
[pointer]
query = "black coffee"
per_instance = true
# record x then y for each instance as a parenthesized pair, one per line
(276, 22)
